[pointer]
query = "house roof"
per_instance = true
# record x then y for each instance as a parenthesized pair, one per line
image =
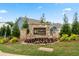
(32, 21)
(57, 25)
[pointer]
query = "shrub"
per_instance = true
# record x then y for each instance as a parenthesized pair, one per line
(73, 37)
(15, 31)
(64, 37)
(13, 40)
(2, 40)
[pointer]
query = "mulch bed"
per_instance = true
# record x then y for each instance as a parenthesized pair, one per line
(40, 40)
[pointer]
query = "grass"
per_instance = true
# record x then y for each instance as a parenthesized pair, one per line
(60, 49)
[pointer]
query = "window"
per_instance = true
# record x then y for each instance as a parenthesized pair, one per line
(40, 31)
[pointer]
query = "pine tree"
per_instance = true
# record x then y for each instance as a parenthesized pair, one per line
(11, 24)
(75, 24)
(2, 30)
(66, 27)
(15, 31)
(8, 31)
(25, 23)
(43, 18)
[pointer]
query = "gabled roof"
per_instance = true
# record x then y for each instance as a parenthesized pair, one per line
(57, 25)
(32, 21)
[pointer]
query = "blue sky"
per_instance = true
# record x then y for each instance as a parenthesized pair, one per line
(53, 11)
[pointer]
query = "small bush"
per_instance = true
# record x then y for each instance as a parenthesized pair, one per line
(73, 37)
(64, 37)
(2, 40)
(13, 40)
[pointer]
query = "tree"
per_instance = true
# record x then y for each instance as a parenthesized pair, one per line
(43, 18)
(10, 23)
(25, 23)
(8, 31)
(66, 27)
(2, 30)
(15, 31)
(75, 24)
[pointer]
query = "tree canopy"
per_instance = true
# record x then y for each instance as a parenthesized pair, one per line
(25, 23)
(65, 27)
(75, 24)
(15, 31)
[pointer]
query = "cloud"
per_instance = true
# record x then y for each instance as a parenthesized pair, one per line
(66, 10)
(3, 11)
(40, 7)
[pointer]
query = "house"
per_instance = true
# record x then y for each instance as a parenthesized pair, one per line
(56, 27)
(37, 31)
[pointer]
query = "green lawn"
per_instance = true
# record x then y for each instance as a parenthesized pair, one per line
(60, 49)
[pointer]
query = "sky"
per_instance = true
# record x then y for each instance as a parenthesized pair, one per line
(53, 11)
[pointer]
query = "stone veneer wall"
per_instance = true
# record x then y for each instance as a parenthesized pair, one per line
(23, 35)
(32, 26)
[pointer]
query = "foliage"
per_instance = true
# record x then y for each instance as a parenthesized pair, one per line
(42, 21)
(25, 23)
(15, 31)
(10, 23)
(13, 40)
(43, 18)
(75, 25)
(66, 27)
(8, 31)
(2, 40)
(2, 30)
(73, 37)
(64, 37)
